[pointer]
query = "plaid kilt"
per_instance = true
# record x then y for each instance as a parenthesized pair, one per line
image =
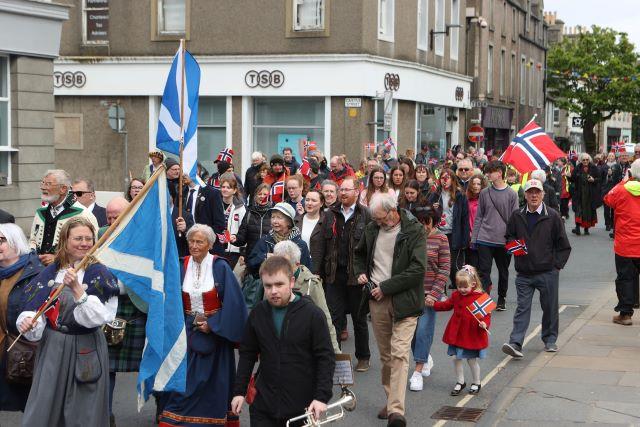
(126, 356)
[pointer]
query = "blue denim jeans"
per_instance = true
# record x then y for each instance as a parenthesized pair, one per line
(423, 338)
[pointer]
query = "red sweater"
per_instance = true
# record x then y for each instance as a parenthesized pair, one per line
(463, 329)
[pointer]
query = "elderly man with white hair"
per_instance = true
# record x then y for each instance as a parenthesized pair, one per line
(307, 283)
(48, 220)
(390, 260)
(550, 198)
(625, 199)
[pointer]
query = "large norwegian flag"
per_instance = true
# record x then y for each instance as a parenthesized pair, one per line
(531, 149)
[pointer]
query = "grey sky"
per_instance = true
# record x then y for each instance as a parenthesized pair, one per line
(621, 15)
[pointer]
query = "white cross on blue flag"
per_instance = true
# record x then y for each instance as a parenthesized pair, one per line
(170, 133)
(141, 252)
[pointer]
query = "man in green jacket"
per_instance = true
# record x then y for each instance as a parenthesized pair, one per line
(391, 260)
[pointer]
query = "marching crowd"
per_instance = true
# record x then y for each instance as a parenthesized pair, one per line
(272, 264)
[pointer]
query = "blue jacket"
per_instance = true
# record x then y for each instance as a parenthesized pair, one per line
(265, 245)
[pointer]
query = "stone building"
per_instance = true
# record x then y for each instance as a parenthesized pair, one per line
(506, 56)
(29, 41)
(273, 72)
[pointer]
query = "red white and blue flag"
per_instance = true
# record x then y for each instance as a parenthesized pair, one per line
(369, 146)
(531, 149)
(516, 247)
(277, 192)
(388, 143)
(309, 145)
(225, 155)
(618, 147)
(572, 155)
(482, 306)
(305, 167)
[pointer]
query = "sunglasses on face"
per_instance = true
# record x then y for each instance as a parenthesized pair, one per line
(81, 193)
(464, 169)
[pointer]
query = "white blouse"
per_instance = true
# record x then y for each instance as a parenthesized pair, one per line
(198, 278)
(90, 314)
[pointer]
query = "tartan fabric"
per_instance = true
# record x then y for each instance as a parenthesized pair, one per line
(126, 357)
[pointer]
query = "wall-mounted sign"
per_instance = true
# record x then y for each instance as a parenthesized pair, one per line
(69, 79)
(391, 81)
(97, 21)
(264, 78)
(459, 93)
(576, 122)
(353, 102)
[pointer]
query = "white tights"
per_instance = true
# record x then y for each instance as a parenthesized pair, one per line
(475, 370)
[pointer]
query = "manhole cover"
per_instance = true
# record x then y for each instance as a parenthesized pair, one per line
(458, 414)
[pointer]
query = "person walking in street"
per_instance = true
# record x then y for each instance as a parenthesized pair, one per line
(340, 170)
(466, 335)
(586, 197)
(566, 170)
(618, 172)
(477, 183)
(312, 229)
(435, 280)
(536, 236)
(391, 260)
(495, 206)
(256, 223)
(624, 198)
(290, 335)
(344, 233)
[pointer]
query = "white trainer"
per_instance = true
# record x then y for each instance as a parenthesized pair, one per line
(426, 368)
(415, 383)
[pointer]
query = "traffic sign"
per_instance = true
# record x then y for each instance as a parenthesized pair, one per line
(476, 134)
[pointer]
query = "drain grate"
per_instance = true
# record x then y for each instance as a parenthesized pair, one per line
(455, 413)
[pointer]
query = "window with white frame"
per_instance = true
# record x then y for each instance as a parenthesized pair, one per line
(502, 55)
(490, 71)
(212, 130)
(540, 94)
(440, 28)
(172, 17)
(95, 20)
(512, 77)
(532, 84)
(5, 115)
(386, 17)
(308, 15)
(515, 24)
(454, 31)
(556, 116)
(523, 79)
(423, 25)
(491, 11)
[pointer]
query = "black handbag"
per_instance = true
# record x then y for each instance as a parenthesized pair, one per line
(21, 360)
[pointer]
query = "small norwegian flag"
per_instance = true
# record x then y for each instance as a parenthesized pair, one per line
(277, 192)
(224, 237)
(53, 312)
(305, 167)
(370, 146)
(572, 155)
(388, 143)
(618, 147)
(482, 306)
(225, 155)
(516, 247)
(309, 145)
(215, 183)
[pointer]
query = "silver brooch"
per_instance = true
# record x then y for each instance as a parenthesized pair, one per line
(202, 198)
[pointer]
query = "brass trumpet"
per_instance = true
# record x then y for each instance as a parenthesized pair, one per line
(347, 402)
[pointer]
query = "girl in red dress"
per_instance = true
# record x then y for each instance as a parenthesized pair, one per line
(466, 335)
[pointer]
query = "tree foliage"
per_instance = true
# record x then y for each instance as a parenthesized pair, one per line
(594, 74)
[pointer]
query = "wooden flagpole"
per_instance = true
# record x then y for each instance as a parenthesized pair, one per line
(89, 255)
(478, 320)
(182, 48)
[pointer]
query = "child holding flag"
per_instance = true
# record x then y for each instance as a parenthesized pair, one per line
(468, 329)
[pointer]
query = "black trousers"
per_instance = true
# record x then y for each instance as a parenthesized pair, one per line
(627, 270)
(262, 419)
(472, 257)
(564, 207)
(343, 299)
(486, 256)
(608, 216)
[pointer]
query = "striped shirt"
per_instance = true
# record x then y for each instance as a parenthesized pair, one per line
(438, 265)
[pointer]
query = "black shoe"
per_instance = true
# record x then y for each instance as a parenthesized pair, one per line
(586, 232)
(396, 420)
(457, 389)
(502, 305)
(512, 350)
(576, 231)
(612, 235)
(608, 228)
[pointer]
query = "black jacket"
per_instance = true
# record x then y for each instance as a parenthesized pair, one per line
(251, 181)
(255, 224)
(594, 194)
(296, 368)
(6, 217)
(101, 215)
(548, 247)
(317, 241)
(460, 234)
(550, 197)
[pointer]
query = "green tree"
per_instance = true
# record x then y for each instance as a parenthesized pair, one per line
(594, 74)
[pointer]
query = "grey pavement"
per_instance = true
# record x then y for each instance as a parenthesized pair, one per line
(590, 380)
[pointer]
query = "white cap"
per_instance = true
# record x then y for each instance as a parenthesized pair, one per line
(533, 183)
(286, 209)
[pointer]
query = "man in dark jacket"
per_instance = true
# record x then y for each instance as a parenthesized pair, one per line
(344, 232)
(251, 180)
(536, 237)
(391, 256)
(290, 161)
(297, 361)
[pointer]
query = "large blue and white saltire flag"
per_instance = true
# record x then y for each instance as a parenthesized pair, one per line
(142, 253)
(169, 131)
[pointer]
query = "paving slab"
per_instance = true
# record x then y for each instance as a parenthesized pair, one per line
(587, 395)
(582, 376)
(596, 363)
(531, 406)
(631, 379)
(616, 412)
(578, 348)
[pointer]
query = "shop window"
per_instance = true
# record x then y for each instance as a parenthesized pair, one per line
(386, 17)
(454, 33)
(431, 125)
(212, 130)
(95, 22)
(308, 15)
(288, 122)
(5, 125)
(423, 25)
(171, 19)
(438, 39)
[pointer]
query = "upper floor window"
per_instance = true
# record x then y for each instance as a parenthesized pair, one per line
(440, 28)
(523, 79)
(5, 125)
(308, 15)
(490, 71)
(95, 20)
(172, 17)
(502, 71)
(454, 34)
(423, 24)
(386, 17)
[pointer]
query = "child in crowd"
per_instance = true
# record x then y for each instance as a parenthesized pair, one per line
(466, 335)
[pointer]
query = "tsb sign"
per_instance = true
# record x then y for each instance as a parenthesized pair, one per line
(264, 78)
